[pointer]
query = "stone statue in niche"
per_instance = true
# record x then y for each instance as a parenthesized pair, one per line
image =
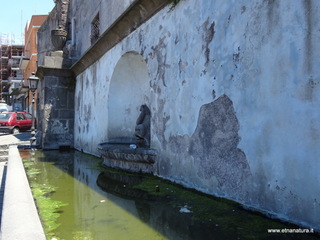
(142, 130)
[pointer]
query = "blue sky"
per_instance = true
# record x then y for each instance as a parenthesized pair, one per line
(15, 14)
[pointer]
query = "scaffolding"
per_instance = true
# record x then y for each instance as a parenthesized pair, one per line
(10, 39)
(10, 73)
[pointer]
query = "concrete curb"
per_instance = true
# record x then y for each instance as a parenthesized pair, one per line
(20, 219)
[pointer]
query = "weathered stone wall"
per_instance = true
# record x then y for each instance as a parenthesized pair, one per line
(233, 93)
(76, 18)
(56, 109)
(56, 88)
(45, 45)
(59, 17)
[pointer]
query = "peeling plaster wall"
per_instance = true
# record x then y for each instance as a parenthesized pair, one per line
(84, 12)
(91, 106)
(234, 96)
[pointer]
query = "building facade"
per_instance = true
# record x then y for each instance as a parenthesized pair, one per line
(232, 87)
(11, 74)
(30, 55)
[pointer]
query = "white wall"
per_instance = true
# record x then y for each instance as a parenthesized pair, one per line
(84, 12)
(129, 89)
(264, 56)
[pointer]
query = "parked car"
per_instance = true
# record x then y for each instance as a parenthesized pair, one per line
(14, 122)
(4, 107)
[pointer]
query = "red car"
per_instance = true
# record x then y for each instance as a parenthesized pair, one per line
(14, 122)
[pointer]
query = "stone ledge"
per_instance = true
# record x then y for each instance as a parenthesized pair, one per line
(20, 219)
(122, 152)
(130, 157)
(43, 71)
(119, 155)
(129, 166)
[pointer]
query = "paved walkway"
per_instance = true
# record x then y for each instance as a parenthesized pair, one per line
(5, 141)
(21, 138)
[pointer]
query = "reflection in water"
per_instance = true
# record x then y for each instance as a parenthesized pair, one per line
(157, 213)
(110, 210)
(91, 213)
(101, 206)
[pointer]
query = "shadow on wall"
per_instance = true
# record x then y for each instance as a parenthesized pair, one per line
(213, 146)
(129, 87)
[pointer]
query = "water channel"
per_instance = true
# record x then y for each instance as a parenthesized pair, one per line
(102, 204)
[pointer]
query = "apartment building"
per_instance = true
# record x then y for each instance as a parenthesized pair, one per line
(29, 61)
(11, 74)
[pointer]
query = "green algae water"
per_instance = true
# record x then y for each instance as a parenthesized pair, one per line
(90, 213)
(93, 203)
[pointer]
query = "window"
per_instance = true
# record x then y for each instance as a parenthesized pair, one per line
(20, 117)
(29, 116)
(95, 29)
(73, 31)
(5, 116)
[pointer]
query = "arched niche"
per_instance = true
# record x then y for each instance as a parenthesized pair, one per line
(129, 89)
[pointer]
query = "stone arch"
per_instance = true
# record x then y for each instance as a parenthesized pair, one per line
(129, 89)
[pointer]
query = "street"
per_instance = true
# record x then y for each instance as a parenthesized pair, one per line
(21, 138)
